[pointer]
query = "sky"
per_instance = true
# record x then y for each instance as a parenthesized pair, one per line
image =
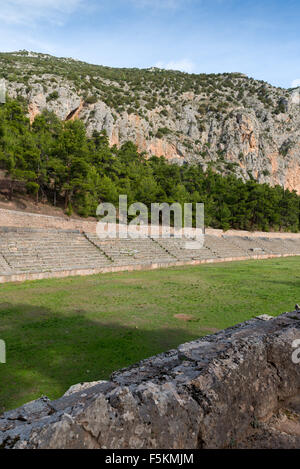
(260, 38)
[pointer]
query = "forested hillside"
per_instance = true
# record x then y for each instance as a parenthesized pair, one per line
(229, 122)
(57, 162)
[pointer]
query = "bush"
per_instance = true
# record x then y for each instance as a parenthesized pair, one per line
(52, 96)
(91, 100)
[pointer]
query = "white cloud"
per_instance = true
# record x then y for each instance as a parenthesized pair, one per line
(158, 3)
(296, 83)
(31, 11)
(183, 65)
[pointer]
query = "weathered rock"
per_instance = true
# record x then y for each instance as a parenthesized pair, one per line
(82, 387)
(205, 394)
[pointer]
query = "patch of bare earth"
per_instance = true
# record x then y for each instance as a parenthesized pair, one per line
(184, 317)
(28, 205)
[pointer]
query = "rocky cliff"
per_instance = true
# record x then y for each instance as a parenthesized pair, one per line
(229, 122)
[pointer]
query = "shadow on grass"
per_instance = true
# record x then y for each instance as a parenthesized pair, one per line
(47, 352)
(293, 282)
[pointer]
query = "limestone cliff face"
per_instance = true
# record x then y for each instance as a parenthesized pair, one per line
(256, 133)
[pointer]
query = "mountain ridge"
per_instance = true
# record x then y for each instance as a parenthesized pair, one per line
(229, 122)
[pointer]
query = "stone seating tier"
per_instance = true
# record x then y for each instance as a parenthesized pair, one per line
(26, 250)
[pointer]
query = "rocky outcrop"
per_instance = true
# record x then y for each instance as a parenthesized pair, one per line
(210, 393)
(232, 123)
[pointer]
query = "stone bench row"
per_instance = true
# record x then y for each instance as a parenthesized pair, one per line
(38, 250)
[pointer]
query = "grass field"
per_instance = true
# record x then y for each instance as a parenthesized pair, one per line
(61, 332)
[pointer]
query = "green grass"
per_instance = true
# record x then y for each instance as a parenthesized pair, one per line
(61, 332)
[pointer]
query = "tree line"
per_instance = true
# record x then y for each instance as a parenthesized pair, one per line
(58, 162)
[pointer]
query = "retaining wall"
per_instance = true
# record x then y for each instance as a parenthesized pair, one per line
(13, 218)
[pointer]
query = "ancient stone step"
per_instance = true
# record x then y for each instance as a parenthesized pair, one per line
(37, 250)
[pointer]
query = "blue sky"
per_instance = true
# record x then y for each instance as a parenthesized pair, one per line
(259, 38)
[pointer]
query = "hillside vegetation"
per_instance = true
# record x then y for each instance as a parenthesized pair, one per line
(136, 90)
(228, 122)
(56, 161)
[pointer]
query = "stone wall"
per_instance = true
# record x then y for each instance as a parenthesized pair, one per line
(210, 393)
(13, 218)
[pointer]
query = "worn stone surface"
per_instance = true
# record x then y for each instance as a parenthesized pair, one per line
(282, 431)
(211, 393)
(81, 387)
(22, 219)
